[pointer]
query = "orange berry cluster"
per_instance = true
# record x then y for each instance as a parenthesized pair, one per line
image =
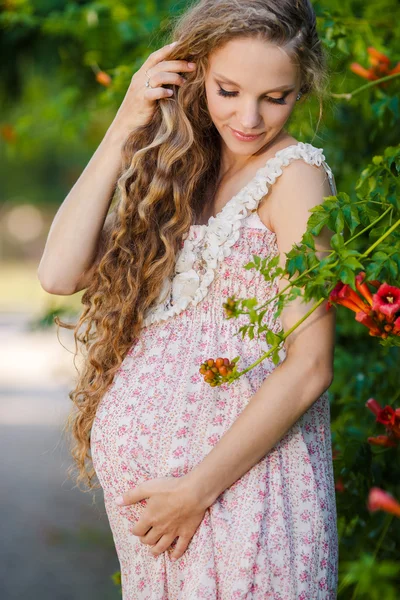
(216, 371)
(230, 306)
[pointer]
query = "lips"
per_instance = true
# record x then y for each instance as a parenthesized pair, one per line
(244, 137)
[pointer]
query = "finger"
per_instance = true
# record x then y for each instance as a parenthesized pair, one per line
(175, 66)
(162, 77)
(140, 492)
(158, 55)
(151, 537)
(157, 93)
(142, 527)
(162, 545)
(180, 548)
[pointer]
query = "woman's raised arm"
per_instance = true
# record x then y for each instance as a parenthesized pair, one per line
(74, 242)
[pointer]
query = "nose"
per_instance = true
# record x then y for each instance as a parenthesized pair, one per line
(249, 116)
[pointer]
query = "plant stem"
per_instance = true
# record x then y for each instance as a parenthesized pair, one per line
(390, 209)
(375, 244)
(349, 95)
(285, 335)
(389, 519)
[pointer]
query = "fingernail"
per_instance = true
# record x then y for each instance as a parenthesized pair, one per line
(191, 65)
(173, 44)
(119, 500)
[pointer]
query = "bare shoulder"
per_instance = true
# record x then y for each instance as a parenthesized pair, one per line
(309, 182)
(300, 187)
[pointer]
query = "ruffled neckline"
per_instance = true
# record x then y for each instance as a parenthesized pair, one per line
(206, 245)
(258, 176)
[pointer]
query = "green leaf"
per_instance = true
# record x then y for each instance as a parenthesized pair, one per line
(350, 214)
(308, 240)
(337, 242)
(339, 223)
(275, 356)
(393, 268)
(347, 276)
(373, 271)
(249, 266)
(352, 263)
(317, 221)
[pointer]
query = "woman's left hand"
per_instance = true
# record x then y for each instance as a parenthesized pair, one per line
(173, 509)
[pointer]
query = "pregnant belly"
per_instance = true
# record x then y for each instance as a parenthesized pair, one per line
(160, 425)
(159, 418)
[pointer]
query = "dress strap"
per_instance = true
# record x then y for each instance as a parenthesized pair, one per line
(206, 246)
(331, 178)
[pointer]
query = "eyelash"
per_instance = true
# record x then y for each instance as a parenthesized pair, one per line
(226, 94)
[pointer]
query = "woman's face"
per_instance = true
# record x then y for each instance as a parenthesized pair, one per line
(251, 87)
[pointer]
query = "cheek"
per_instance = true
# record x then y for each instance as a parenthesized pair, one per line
(276, 115)
(218, 107)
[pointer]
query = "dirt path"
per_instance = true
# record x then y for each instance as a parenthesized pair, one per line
(55, 543)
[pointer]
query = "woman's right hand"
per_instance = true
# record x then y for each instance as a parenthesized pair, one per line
(139, 104)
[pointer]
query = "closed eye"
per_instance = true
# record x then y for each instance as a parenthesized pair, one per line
(226, 94)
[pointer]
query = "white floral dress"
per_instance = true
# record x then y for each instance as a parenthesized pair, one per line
(272, 534)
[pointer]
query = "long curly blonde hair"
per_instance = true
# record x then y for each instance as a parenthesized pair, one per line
(168, 165)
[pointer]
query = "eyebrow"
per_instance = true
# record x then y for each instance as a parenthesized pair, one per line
(278, 89)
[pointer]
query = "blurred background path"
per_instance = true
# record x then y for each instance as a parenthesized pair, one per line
(55, 543)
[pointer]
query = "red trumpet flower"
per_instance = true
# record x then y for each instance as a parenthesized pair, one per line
(377, 58)
(378, 499)
(362, 318)
(343, 294)
(373, 406)
(363, 72)
(382, 440)
(396, 326)
(339, 485)
(380, 66)
(386, 416)
(103, 78)
(363, 288)
(7, 131)
(387, 300)
(389, 417)
(376, 311)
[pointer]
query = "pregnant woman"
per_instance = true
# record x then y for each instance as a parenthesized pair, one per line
(227, 492)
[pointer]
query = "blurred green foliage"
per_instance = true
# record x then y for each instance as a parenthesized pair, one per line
(54, 113)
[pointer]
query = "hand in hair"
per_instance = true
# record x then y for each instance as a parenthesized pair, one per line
(139, 104)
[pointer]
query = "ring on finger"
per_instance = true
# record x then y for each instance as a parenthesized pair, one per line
(148, 80)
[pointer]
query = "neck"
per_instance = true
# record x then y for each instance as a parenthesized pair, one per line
(233, 163)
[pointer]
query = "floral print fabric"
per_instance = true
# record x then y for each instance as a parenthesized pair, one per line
(272, 534)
